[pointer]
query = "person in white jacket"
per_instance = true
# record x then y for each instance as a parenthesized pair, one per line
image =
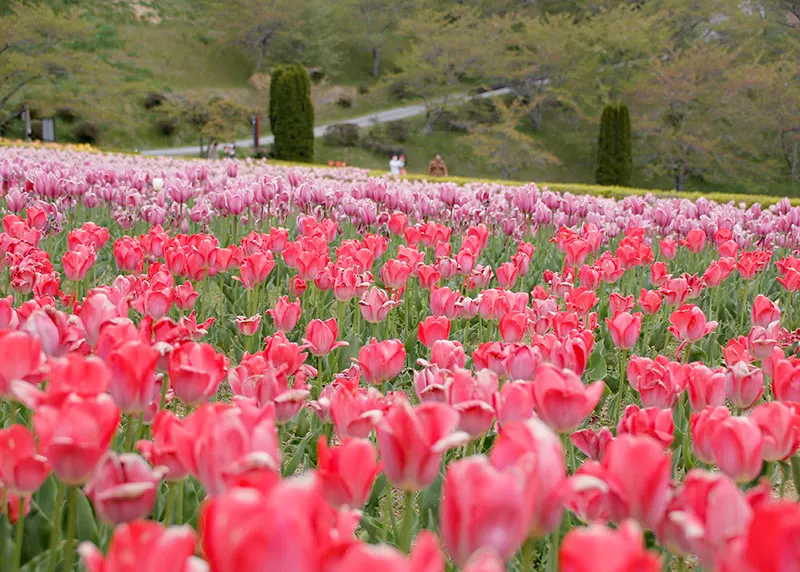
(394, 166)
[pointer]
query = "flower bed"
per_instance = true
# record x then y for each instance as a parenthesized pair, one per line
(238, 365)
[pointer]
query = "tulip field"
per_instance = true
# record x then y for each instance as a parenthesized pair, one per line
(241, 366)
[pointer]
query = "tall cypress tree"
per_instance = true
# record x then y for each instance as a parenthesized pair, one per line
(624, 150)
(605, 171)
(291, 114)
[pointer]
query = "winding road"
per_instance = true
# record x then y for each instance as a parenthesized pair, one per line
(363, 121)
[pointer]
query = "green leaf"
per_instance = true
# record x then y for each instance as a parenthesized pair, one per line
(299, 452)
(596, 368)
(86, 523)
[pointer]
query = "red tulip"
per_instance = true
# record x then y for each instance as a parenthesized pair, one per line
(154, 302)
(780, 427)
(771, 540)
(624, 329)
(703, 426)
(355, 411)
(432, 329)
(397, 223)
(221, 445)
(592, 443)
(704, 515)
(285, 314)
(22, 471)
(346, 472)
(600, 549)
(248, 326)
(561, 398)
(133, 383)
(481, 509)
(675, 291)
(706, 386)
(764, 311)
(471, 396)
(129, 254)
(443, 302)
(689, 324)
(375, 305)
(668, 248)
(580, 300)
(744, 384)
(429, 276)
(513, 326)
(425, 557)
(144, 546)
(77, 262)
(395, 273)
(786, 380)
(506, 275)
(321, 337)
(649, 301)
(255, 269)
(195, 372)
(638, 472)
(653, 422)
(533, 449)
(737, 443)
(412, 441)
(659, 382)
(21, 359)
(381, 361)
(124, 488)
(75, 436)
(448, 354)
(185, 296)
(162, 451)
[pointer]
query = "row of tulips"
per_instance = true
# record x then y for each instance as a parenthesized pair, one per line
(329, 372)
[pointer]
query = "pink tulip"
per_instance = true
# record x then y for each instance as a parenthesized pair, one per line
(285, 314)
(75, 436)
(737, 444)
(124, 488)
(600, 549)
(780, 428)
(248, 326)
(321, 337)
(375, 305)
(561, 398)
(689, 324)
(347, 471)
(195, 372)
(381, 361)
(624, 329)
(412, 441)
(21, 469)
(480, 509)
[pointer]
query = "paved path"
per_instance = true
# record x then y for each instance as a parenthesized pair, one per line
(362, 121)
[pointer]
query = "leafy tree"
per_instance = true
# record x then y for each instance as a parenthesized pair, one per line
(504, 146)
(605, 166)
(292, 114)
(378, 20)
(686, 113)
(211, 118)
(36, 54)
(448, 49)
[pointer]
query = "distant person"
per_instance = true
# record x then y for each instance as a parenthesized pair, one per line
(394, 166)
(230, 151)
(213, 151)
(403, 171)
(437, 167)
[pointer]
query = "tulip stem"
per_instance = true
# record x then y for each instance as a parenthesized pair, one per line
(387, 511)
(795, 461)
(18, 537)
(527, 556)
(3, 539)
(69, 549)
(408, 521)
(179, 515)
(169, 503)
(129, 435)
(681, 565)
(556, 536)
(55, 535)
